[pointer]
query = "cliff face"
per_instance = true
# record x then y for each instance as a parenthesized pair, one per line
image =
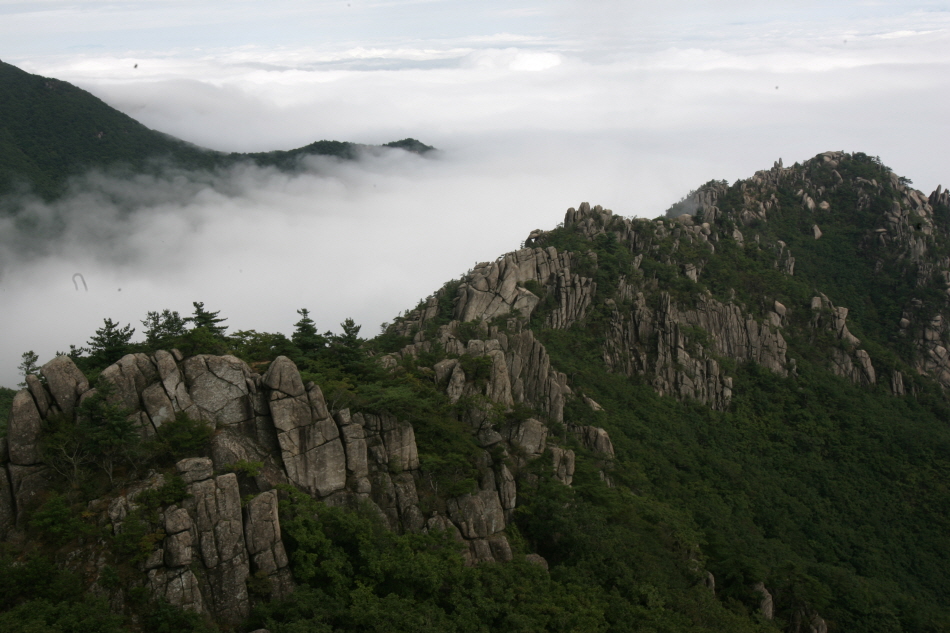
(227, 533)
(899, 234)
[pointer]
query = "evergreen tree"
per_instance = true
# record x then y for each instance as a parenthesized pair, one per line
(348, 346)
(161, 329)
(207, 320)
(110, 342)
(28, 366)
(305, 336)
(107, 427)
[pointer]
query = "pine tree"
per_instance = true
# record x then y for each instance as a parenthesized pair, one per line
(108, 428)
(110, 342)
(28, 366)
(161, 329)
(305, 336)
(207, 320)
(348, 346)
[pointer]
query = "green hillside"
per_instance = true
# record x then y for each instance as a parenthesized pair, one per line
(51, 130)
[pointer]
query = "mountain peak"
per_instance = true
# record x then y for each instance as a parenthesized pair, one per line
(51, 130)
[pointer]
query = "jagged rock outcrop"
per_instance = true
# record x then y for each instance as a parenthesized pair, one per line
(662, 342)
(309, 438)
(806, 620)
(65, 383)
(215, 507)
(660, 319)
(220, 388)
(846, 361)
(275, 419)
(264, 545)
(594, 438)
(498, 289)
(530, 437)
(23, 431)
(767, 604)
(930, 341)
(211, 533)
(520, 372)
(563, 462)
(388, 456)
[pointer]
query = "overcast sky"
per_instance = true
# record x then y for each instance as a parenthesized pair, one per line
(535, 107)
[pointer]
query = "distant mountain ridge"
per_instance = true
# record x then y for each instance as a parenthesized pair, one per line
(51, 130)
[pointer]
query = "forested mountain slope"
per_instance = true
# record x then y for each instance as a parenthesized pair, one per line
(51, 130)
(731, 419)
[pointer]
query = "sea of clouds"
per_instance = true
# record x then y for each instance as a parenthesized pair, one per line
(531, 114)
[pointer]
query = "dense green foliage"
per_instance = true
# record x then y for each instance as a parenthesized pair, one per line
(51, 130)
(37, 596)
(6, 401)
(848, 266)
(353, 574)
(830, 493)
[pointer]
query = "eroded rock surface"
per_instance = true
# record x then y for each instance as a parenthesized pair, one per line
(309, 439)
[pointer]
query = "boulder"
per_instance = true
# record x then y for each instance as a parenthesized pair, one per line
(44, 402)
(354, 445)
(407, 503)
(264, 544)
(477, 516)
(24, 428)
(195, 469)
(177, 586)
(177, 520)
(507, 488)
(65, 382)
(177, 550)
(594, 438)
(563, 464)
(172, 382)
(400, 442)
(27, 485)
(282, 376)
(309, 439)
(537, 559)
(218, 386)
(500, 549)
(215, 506)
(530, 436)
(158, 405)
(766, 604)
(130, 375)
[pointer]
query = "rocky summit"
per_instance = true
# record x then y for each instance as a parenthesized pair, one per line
(729, 418)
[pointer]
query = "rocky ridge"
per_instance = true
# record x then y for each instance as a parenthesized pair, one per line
(898, 223)
(662, 323)
(226, 534)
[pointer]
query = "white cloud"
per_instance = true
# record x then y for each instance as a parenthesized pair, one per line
(511, 59)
